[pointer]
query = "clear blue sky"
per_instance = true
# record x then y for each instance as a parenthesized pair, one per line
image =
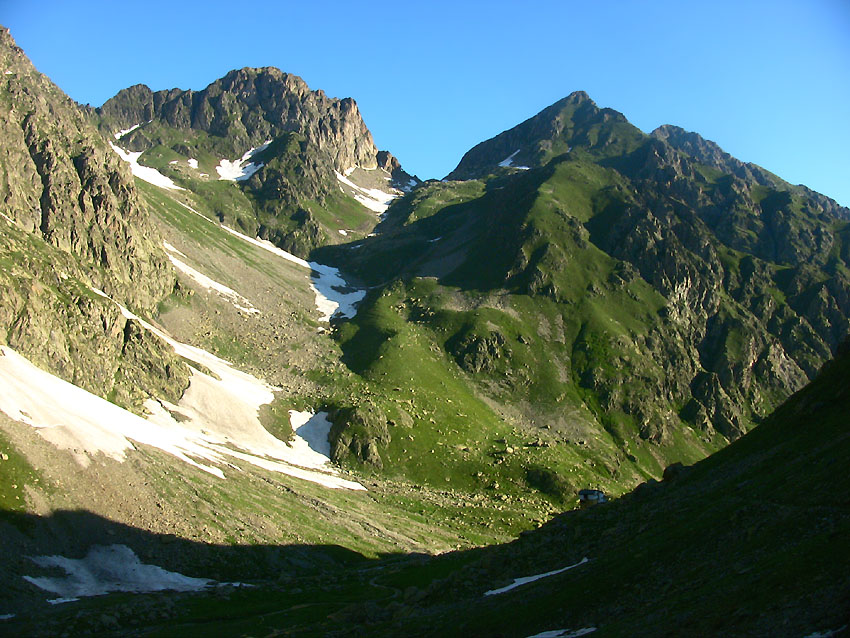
(769, 80)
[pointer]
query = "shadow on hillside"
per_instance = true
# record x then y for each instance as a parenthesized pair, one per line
(673, 558)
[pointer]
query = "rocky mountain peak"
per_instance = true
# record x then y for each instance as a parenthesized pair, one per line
(244, 109)
(572, 122)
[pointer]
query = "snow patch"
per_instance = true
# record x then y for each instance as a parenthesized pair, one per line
(827, 634)
(334, 296)
(264, 244)
(146, 173)
(171, 249)
(7, 616)
(529, 579)
(237, 300)
(344, 233)
(192, 162)
(124, 131)
(105, 569)
(241, 169)
(509, 161)
(214, 415)
(311, 437)
(564, 633)
(372, 198)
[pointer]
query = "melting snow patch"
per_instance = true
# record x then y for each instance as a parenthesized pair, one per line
(509, 161)
(193, 163)
(529, 579)
(124, 132)
(311, 437)
(106, 569)
(215, 415)
(334, 297)
(146, 173)
(170, 249)
(265, 245)
(564, 633)
(7, 616)
(372, 198)
(238, 301)
(241, 169)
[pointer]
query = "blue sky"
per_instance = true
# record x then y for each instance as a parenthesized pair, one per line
(767, 80)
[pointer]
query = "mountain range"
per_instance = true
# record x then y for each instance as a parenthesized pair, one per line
(258, 379)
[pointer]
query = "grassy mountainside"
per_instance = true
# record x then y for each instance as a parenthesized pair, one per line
(627, 293)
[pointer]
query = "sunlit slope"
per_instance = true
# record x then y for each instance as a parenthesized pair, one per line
(651, 297)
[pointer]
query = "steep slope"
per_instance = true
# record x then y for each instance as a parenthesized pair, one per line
(574, 122)
(305, 164)
(623, 292)
(72, 222)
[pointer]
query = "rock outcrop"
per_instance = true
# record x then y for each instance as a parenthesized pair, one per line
(307, 140)
(72, 222)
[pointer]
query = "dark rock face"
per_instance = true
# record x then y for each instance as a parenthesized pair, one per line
(479, 353)
(73, 222)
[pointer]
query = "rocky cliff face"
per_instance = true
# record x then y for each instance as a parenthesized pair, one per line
(311, 137)
(244, 109)
(72, 221)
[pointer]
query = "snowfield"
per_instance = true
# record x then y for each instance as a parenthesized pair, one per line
(105, 569)
(241, 169)
(124, 131)
(146, 173)
(215, 415)
(530, 579)
(334, 297)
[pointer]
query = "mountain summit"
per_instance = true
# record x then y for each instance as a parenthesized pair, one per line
(290, 150)
(574, 121)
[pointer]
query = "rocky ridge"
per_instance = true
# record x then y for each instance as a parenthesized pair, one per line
(72, 221)
(306, 139)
